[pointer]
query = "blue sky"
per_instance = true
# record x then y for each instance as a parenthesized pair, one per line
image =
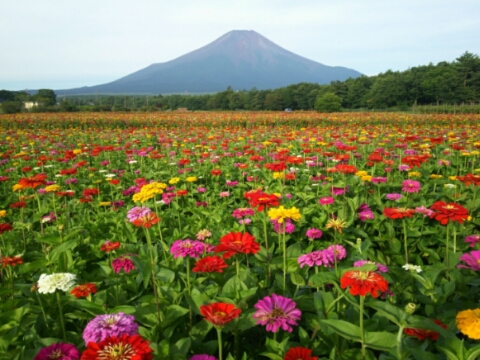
(66, 44)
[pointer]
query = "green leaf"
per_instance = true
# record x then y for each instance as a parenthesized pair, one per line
(88, 306)
(422, 354)
(343, 328)
(297, 279)
(123, 308)
(473, 353)
(271, 356)
(319, 279)
(68, 245)
(173, 313)
(392, 313)
(383, 341)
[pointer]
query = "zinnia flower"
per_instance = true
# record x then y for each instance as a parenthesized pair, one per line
(123, 262)
(219, 313)
(421, 334)
(393, 197)
(47, 284)
(109, 246)
(11, 261)
(337, 252)
(472, 261)
(277, 312)
(299, 353)
(380, 267)
(105, 326)
(327, 200)
(313, 233)
(398, 213)
(146, 221)
(315, 258)
(448, 212)
(411, 186)
(125, 347)
(336, 224)
(363, 283)
(137, 212)
(468, 322)
(58, 351)
(210, 264)
(84, 290)
(260, 200)
(187, 247)
(4, 227)
(237, 243)
(472, 239)
(203, 356)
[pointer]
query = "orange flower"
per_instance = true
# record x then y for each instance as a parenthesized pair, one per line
(219, 314)
(398, 213)
(363, 283)
(33, 182)
(146, 221)
(11, 261)
(84, 290)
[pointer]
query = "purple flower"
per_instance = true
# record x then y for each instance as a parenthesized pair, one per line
(104, 326)
(411, 186)
(187, 247)
(472, 239)
(203, 357)
(201, 189)
(315, 258)
(380, 267)
(472, 261)
(123, 262)
(137, 213)
(277, 312)
(363, 207)
(314, 234)
(337, 252)
(59, 351)
(393, 196)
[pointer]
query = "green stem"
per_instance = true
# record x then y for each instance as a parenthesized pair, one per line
(284, 260)
(220, 349)
(266, 243)
(448, 243)
(62, 320)
(43, 310)
(399, 342)
(405, 241)
(362, 333)
(454, 239)
(188, 275)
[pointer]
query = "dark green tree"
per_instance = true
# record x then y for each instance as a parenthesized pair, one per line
(328, 102)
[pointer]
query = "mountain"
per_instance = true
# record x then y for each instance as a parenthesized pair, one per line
(240, 59)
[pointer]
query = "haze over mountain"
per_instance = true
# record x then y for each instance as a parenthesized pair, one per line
(240, 59)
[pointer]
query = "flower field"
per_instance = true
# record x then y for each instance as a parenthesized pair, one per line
(239, 236)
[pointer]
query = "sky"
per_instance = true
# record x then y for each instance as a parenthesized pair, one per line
(66, 44)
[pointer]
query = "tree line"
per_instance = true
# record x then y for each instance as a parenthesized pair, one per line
(447, 83)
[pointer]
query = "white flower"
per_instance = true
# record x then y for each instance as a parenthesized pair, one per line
(102, 171)
(47, 284)
(132, 162)
(450, 186)
(410, 267)
(48, 166)
(58, 175)
(110, 175)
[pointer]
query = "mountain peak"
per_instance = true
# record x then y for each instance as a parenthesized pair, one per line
(242, 59)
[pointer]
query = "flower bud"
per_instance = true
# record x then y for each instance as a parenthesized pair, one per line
(410, 308)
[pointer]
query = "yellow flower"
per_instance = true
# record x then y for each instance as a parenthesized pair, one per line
(3, 213)
(278, 195)
(278, 175)
(435, 176)
(17, 187)
(337, 224)
(104, 203)
(328, 178)
(280, 214)
(468, 322)
(366, 178)
(191, 179)
(361, 173)
(77, 151)
(174, 180)
(453, 178)
(52, 188)
(475, 152)
(414, 174)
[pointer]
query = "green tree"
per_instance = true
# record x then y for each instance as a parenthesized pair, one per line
(46, 96)
(11, 107)
(328, 102)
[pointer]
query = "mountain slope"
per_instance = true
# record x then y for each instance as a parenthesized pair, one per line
(240, 59)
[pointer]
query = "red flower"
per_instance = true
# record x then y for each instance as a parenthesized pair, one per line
(290, 176)
(237, 243)
(299, 353)
(84, 290)
(72, 171)
(182, 192)
(425, 334)
(86, 199)
(26, 169)
(4, 227)
(346, 169)
(448, 212)
(398, 213)
(147, 221)
(363, 283)
(276, 167)
(216, 172)
(18, 204)
(114, 182)
(131, 347)
(33, 182)
(260, 200)
(109, 246)
(470, 179)
(219, 314)
(11, 261)
(90, 192)
(210, 264)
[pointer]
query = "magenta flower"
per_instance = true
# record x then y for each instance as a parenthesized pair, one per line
(123, 262)
(379, 179)
(472, 239)
(366, 215)
(327, 200)
(289, 226)
(472, 261)
(137, 213)
(277, 312)
(380, 267)
(187, 247)
(315, 258)
(393, 196)
(314, 234)
(338, 190)
(411, 186)
(104, 326)
(402, 167)
(337, 252)
(242, 212)
(203, 357)
(59, 351)
(424, 211)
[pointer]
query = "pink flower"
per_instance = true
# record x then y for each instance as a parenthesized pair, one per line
(472, 239)
(60, 351)
(315, 258)
(472, 261)
(380, 267)
(187, 247)
(277, 312)
(411, 186)
(424, 211)
(123, 262)
(314, 234)
(327, 200)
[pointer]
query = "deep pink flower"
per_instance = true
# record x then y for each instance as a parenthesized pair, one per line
(411, 186)
(123, 262)
(472, 239)
(471, 260)
(314, 234)
(337, 252)
(59, 351)
(277, 312)
(187, 247)
(327, 200)
(315, 258)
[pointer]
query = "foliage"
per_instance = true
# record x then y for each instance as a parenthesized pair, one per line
(328, 102)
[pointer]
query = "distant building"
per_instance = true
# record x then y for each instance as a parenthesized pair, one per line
(31, 104)
(182, 110)
(288, 110)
